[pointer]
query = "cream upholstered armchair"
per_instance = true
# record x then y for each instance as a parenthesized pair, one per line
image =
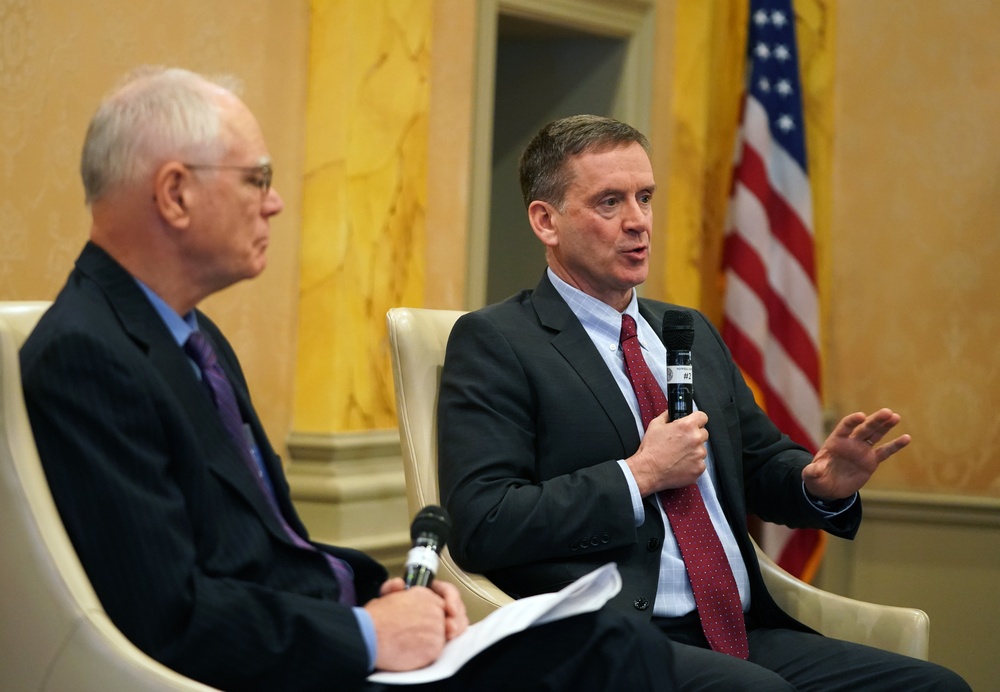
(54, 634)
(418, 338)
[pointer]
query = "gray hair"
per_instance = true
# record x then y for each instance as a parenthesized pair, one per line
(156, 114)
(542, 169)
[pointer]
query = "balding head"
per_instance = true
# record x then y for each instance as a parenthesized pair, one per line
(154, 115)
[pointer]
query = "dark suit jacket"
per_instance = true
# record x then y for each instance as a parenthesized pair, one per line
(531, 424)
(178, 540)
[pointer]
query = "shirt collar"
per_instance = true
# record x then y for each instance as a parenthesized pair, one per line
(595, 314)
(180, 327)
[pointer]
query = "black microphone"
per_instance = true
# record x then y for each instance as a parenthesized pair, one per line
(678, 335)
(430, 532)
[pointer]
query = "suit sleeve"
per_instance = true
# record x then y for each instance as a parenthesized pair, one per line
(108, 437)
(517, 473)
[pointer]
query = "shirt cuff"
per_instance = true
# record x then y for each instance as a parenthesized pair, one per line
(633, 488)
(829, 508)
(368, 632)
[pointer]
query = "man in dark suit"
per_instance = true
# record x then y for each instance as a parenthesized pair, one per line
(169, 489)
(549, 469)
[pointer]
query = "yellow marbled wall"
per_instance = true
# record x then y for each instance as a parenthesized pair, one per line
(57, 59)
(365, 191)
(916, 235)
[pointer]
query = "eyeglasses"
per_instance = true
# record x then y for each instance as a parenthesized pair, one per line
(260, 176)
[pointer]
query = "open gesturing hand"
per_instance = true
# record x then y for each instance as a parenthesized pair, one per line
(851, 454)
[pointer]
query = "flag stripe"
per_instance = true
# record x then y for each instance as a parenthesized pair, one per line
(785, 274)
(783, 325)
(786, 226)
(790, 180)
(773, 371)
(776, 410)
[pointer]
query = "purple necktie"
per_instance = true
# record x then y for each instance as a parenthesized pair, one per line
(715, 593)
(201, 352)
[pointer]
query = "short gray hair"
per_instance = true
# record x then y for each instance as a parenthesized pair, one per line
(542, 168)
(154, 115)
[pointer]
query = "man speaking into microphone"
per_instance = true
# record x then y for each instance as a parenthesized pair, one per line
(557, 452)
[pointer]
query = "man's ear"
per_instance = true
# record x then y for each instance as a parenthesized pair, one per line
(542, 217)
(172, 191)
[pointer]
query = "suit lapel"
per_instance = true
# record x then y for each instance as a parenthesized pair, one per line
(144, 327)
(576, 346)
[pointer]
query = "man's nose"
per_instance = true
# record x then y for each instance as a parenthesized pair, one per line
(273, 204)
(638, 217)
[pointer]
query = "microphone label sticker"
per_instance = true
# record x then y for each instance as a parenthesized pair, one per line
(679, 374)
(423, 556)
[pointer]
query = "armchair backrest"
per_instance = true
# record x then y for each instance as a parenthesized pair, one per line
(54, 634)
(417, 339)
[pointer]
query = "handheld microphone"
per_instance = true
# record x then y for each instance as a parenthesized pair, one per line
(678, 335)
(430, 532)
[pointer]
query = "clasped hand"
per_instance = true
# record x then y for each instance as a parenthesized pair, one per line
(413, 625)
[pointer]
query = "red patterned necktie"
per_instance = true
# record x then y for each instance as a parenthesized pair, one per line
(715, 593)
(214, 377)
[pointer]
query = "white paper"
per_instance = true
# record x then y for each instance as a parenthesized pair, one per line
(585, 595)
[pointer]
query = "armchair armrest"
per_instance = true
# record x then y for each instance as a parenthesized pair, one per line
(903, 630)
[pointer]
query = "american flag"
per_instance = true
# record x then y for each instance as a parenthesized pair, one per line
(771, 322)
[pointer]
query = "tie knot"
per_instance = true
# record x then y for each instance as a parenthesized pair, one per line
(200, 351)
(628, 328)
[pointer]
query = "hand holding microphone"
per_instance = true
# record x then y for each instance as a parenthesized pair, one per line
(408, 622)
(674, 456)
